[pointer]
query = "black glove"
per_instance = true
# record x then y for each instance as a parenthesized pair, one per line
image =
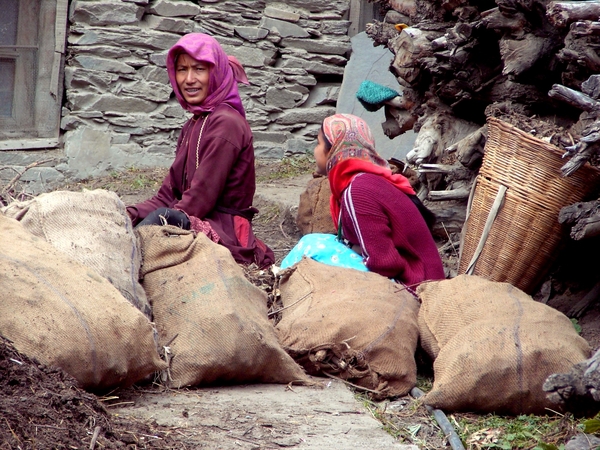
(166, 216)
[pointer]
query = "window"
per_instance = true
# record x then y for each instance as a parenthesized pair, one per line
(32, 43)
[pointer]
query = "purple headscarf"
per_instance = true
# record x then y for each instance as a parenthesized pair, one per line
(225, 73)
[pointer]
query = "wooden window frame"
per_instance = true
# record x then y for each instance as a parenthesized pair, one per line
(35, 122)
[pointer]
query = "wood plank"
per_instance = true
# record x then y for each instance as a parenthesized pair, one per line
(21, 144)
(60, 25)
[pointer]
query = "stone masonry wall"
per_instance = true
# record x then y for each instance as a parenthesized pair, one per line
(120, 111)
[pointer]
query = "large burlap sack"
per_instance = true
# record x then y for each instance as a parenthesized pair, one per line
(64, 314)
(216, 319)
(314, 215)
(91, 227)
(493, 346)
(357, 325)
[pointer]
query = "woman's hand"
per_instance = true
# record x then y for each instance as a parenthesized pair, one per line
(167, 216)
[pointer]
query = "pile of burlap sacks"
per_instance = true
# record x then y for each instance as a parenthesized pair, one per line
(113, 306)
(491, 345)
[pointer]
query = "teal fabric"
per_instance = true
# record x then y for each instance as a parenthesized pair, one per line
(374, 93)
(325, 248)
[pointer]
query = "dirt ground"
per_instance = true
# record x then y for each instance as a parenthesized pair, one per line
(42, 408)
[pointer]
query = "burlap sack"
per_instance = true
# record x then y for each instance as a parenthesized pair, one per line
(217, 320)
(359, 326)
(493, 345)
(314, 215)
(91, 227)
(64, 314)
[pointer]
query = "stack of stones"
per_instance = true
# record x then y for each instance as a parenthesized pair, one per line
(120, 110)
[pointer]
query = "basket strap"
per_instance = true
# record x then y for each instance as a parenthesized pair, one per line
(468, 213)
(498, 202)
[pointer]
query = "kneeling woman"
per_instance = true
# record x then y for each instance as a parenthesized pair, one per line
(210, 185)
(375, 210)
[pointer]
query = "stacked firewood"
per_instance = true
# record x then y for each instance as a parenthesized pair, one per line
(533, 63)
(460, 61)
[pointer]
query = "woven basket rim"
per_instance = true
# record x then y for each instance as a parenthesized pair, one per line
(502, 124)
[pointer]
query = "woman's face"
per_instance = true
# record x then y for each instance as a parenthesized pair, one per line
(321, 151)
(192, 78)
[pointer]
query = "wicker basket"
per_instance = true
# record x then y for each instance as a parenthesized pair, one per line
(525, 234)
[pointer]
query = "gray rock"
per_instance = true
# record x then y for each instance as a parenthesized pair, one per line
(308, 80)
(583, 442)
(262, 76)
(251, 34)
(148, 90)
(298, 147)
(76, 78)
(24, 158)
(281, 97)
(139, 124)
(103, 64)
(87, 151)
(105, 13)
(339, 7)
(275, 138)
(173, 25)
(257, 118)
(166, 150)
(39, 179)
(152, 73)
(281, 13)
(124, 37)
(134, 61)
(248, 56)
(91, 153)
(120, 138)
(159, 58)
(311, 66)
(69, 122)
(304, 115)
(310, 132)
(268, 150)
(323, 94)
(231, 41)
(372, 63)
(248, 9)
(328, 46)
(215, 27)
(335, 60)
(283, 28)
(109, 102)
(174, 8)
(336, 27)
(103, 51)
(171, 109)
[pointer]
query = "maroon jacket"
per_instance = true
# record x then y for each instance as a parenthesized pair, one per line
(390, 230)
(213, 178)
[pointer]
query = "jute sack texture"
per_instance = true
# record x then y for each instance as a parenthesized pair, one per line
(314, 215)
(216, 319)
(64, 314)
(493, 346)
(91, 227)
(356, 325)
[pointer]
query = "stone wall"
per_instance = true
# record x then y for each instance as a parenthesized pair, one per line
(120, 111)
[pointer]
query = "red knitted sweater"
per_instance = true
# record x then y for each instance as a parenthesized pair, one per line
(390, 230)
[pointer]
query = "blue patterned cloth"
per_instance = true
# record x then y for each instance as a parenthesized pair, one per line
(325, 248)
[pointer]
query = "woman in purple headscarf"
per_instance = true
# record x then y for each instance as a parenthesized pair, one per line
(210, 185)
